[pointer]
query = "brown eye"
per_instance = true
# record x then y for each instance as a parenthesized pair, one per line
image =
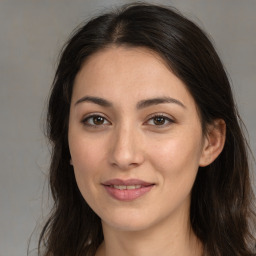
(159, 120)
(98, 120)
(95, 120)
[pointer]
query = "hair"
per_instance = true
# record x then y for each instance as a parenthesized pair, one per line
(222, 200)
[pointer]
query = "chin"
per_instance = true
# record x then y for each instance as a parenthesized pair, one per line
(128, 222)
(129, 227)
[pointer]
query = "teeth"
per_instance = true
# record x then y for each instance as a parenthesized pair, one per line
(122, 187)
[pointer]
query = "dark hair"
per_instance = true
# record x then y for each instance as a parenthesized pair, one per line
(222, 200)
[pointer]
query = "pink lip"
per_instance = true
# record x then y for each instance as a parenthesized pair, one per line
(126, 182)
(127, 194)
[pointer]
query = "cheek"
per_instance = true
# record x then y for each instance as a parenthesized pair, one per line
(177, 165)
(86, 158)
(85, 152)
(177, 158)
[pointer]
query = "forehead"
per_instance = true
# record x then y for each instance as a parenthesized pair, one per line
(128, 73)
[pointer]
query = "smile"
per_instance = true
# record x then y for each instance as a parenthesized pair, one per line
(127, 190)
(122, 187)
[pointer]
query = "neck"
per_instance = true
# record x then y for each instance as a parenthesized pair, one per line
(172, 238)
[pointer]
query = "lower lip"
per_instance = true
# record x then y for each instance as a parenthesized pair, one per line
(127, 194)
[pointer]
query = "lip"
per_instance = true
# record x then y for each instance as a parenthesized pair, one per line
(126, 182)
(127, 194)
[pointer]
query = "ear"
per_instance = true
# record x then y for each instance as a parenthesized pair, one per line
(214, 142)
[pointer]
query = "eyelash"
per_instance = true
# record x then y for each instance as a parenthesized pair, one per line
(151, 118)
(86, 119)
(163, 116)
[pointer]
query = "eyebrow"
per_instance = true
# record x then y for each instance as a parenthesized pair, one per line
(156, 101)
(140, 105)
(96, 100)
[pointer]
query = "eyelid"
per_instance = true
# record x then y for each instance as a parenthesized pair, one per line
(166, 116)
(91, 115)
(150, 117)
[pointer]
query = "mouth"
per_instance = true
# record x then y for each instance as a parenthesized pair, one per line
(127, 190)
(122, 187)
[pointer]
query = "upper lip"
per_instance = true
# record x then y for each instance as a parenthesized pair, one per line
(128, 182)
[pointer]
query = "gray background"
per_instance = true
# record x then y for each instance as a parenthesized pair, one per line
(32, 33)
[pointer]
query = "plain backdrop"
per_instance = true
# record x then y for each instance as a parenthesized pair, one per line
(32, 33)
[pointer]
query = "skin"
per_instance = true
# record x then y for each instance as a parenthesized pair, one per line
(127, 142)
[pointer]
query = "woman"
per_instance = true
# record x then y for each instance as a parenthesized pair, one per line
(148, 156)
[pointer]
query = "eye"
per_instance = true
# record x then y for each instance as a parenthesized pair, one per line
(95, 120)
(159, 120)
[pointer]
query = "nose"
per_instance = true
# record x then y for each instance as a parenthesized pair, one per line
(126, 148)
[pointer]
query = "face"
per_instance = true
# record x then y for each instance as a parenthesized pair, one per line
(135, 138)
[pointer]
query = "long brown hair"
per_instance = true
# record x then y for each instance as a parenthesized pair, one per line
(221, 211)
